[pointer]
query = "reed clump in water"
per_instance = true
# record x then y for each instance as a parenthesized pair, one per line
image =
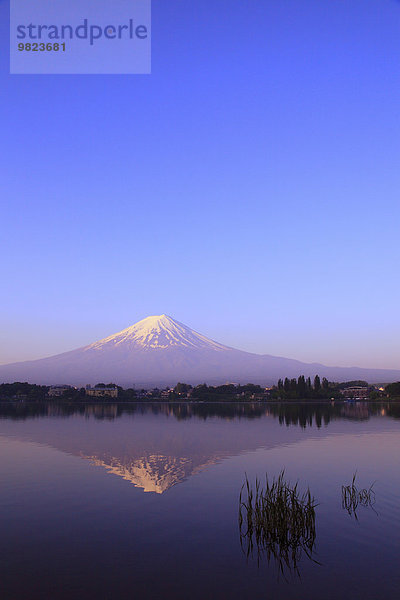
(352, 497)
(277, 521)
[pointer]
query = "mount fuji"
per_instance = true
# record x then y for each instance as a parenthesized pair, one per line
(160, 351)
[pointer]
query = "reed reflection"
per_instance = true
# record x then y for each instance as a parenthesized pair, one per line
(353, 497)
(277, 523)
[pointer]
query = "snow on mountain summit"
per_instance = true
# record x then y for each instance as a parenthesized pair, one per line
(157, 332)
(159, 351)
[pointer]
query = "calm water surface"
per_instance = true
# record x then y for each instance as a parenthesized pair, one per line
(141, 501)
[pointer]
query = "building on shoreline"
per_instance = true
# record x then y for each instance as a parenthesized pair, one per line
(356, 392)
(59, 390)
(102, 391)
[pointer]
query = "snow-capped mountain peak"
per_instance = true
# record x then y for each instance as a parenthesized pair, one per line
(159, 351)
(157, 332)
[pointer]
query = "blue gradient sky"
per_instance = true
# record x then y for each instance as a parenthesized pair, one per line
(249, 187)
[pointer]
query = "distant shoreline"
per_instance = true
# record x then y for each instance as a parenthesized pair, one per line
(200, 402)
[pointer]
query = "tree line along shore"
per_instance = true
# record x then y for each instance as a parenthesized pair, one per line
(301, 388)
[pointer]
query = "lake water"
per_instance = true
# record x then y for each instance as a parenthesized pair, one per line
(141, 501)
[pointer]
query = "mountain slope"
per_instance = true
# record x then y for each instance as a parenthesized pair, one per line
(159, 351)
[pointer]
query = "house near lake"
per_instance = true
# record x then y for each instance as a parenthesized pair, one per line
(102, 391)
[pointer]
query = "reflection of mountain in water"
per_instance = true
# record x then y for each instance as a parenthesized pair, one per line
(154, 473)
(156, 446)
